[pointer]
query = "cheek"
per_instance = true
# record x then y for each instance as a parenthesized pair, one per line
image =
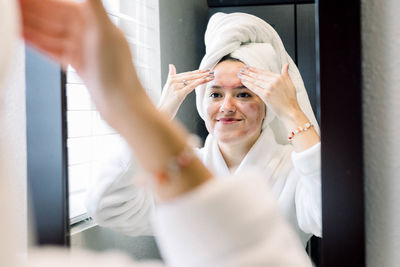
(254, 112)
(211, 111)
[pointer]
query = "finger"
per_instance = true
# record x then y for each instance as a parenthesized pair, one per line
(172, 70)
(256, 76)
(261, 71)
(190, 72)
(39, 38)
(265, 82)
(190, 87)
(57, 49)
(285, 70)
(254, 88)
(55, 11)
(190, 77)
(35, 21)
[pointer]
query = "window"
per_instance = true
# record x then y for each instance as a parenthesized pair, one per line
(90, 140)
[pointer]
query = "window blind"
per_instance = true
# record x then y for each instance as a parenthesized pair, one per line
(90, 140)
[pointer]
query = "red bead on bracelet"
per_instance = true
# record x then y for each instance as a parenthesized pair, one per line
(299, 129)
(175, 165)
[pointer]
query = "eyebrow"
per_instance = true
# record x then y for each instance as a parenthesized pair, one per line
(220, 87)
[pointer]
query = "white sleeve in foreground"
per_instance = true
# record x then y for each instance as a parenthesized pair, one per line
(52, 256)
(227, 222)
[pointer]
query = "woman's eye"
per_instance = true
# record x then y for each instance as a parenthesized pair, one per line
(244, 95)
(215, 95)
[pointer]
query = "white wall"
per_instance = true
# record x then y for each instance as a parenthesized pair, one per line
(13, 142)
(13, 220)
(381, 109)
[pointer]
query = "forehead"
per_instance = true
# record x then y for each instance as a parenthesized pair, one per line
(226, 75)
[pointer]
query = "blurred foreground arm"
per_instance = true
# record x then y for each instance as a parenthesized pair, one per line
(82, 35)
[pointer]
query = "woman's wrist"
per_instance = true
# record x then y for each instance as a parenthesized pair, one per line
(301, 132)
(294, 119)
(188, 179)
(168, 109)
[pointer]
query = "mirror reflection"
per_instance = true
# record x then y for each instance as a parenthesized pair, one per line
(253, 110)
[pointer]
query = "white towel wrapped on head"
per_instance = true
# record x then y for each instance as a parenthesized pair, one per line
(254, 42)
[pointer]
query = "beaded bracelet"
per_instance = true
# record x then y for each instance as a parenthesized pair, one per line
(178, 162)
(299, 129)
(175, 165)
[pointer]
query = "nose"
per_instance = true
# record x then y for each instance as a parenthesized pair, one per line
(228, 105)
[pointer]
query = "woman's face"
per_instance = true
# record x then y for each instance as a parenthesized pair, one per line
(234, 113)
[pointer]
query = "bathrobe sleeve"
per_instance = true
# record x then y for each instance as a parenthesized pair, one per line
(231, 222)
(227, 222)
(307, 165)
(116, 202)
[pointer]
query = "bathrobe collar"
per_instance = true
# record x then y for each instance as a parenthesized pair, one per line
(266, 156)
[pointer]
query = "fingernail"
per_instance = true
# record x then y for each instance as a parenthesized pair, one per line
(211, 72)
(247, 66)
(239, 74)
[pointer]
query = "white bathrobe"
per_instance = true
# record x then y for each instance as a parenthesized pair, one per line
(295, 178)
(116, 202)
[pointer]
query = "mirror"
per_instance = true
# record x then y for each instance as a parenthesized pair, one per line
(339, 66)
(92, 144)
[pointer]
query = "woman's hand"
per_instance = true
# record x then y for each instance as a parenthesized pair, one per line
(276, 90)
(178, 86)
(279, 94)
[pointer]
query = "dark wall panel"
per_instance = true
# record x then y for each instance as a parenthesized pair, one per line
(46, 150)
(306, 55)
(182, 43)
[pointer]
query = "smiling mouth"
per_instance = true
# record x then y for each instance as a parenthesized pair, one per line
(228, 120)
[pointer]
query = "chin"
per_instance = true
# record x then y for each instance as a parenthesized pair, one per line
(235, 138)
(230, 138)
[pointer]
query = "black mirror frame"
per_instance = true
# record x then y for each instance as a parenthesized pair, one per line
(339, 31)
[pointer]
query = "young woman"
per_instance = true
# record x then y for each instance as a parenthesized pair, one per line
(253, 101)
